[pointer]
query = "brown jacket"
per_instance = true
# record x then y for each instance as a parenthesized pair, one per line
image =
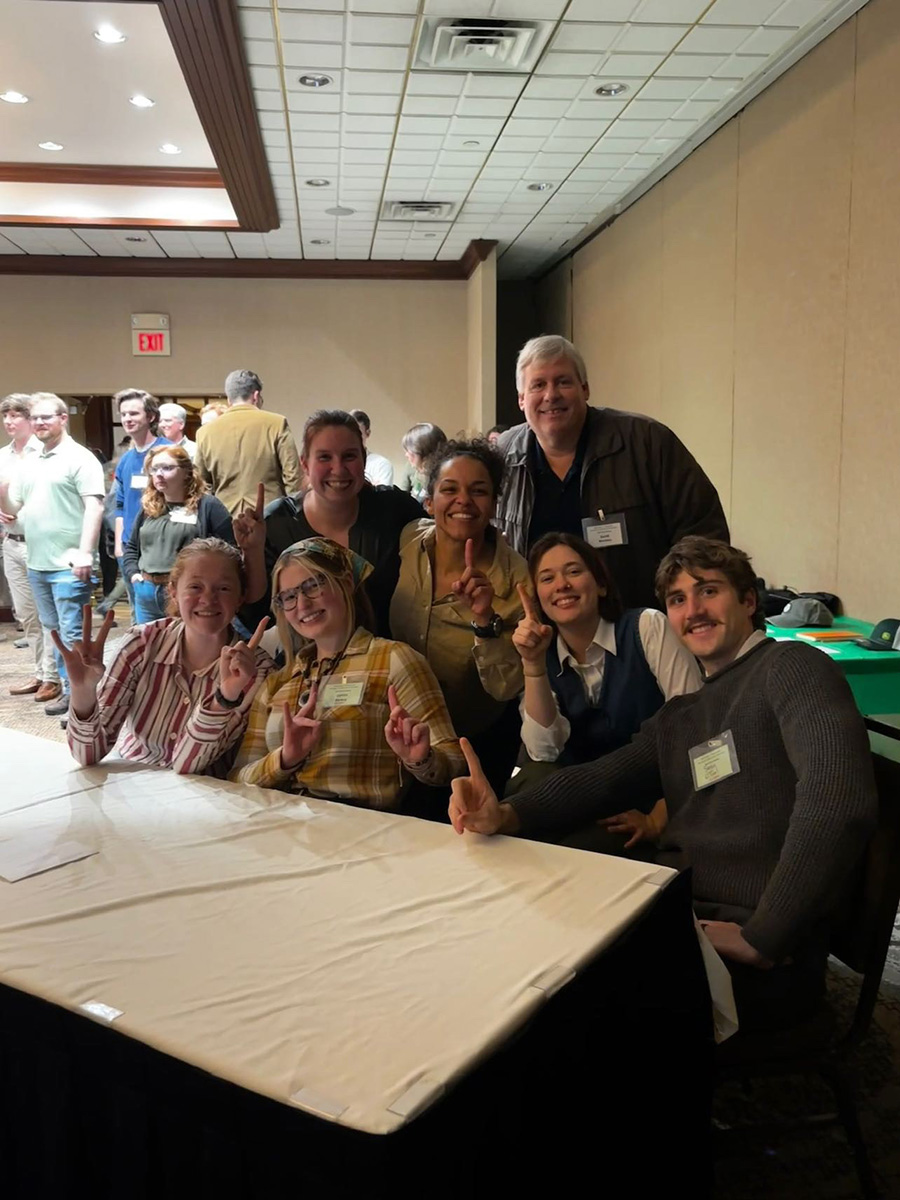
(245, 447)
(632, 465)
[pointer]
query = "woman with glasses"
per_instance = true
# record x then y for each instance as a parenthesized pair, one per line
(175, 509)
(351, 717)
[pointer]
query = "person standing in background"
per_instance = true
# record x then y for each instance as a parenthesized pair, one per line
(622, 481)
(44, 686)
(172, 418)
(60, 498)
(419, 443)
(379, 470)
(139, 413)
(245, 447)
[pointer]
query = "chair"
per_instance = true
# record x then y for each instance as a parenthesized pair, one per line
(860, 939)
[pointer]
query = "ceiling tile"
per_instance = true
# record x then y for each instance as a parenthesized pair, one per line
(484, 106)
(426, 83)
(550, 87)
(471, 145)
(362, 141)
(601, 10)
(740, 12)
(714, 39)
(581, 129)
(483, 84)
(248, 245)
(365, 123)
(740, 66)
(261, 54)
(211, 244)
(631, 66)
(308, 121)
(697, 110)
(567, 64)
(419, 141)
(696, 66)
(517, 127)
(668, 89)
(687, 11)
(269, 101)
(651, 39)
(363, 6)
(265, 77)
(799, 12)
(272, 120)
(310, 27)
(8, 247)
(411, 124)
(767, 41)
(583, 38)
(381, 31)
(315, 56)
(566, 145)
(312, 137)
(645, 110)
(256, 24)
(371, 104)
(624, 127)
(541, 108)
(307, 101)
(374, 82)
(591, 110)
(715, 89)
(477, 126)
(417, 158)
(377, 58)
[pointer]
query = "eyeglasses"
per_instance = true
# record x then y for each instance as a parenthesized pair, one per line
(164, 468)
(310, 588)
(43, 420)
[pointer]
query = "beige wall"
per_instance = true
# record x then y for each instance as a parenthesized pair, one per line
(751, 301)
(397, 349)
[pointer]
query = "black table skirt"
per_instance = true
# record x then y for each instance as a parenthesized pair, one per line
(608, 1089)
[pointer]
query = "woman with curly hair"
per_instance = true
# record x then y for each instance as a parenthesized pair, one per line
(175, 509)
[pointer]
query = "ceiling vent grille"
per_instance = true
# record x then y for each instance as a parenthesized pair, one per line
(417, 210)
(462, 44)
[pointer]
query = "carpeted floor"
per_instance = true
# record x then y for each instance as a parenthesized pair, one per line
(803, 1164)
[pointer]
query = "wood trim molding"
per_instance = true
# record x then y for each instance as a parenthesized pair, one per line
(206, 38)
(244, 268)
(99, 175)
(116, 223)
(476, 252)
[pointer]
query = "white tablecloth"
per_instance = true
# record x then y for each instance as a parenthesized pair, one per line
(350, 962)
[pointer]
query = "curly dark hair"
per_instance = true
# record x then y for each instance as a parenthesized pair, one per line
(478, 448)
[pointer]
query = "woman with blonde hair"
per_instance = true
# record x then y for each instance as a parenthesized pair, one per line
(351, 717)
(178, 691)
(175, 509)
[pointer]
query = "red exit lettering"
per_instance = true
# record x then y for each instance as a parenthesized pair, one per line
(148, 343)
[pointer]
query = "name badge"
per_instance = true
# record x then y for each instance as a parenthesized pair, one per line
(180, 516)
(341, 695)
(611, 530)
(714, 760)
(139, 481)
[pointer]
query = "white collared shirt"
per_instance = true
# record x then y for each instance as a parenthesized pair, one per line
(674, 668)
(11, 462)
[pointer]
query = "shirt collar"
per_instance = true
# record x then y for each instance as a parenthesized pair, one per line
(359, 644)
(604, 638)
(755, 639)
(171, 646)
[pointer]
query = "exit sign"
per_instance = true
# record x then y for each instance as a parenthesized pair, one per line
(151, 341)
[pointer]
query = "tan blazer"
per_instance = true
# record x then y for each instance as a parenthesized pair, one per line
(245, 447)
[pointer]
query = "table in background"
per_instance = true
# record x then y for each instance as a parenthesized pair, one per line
(320, 997)
(873, 675)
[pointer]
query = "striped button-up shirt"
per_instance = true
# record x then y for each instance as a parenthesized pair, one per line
(162, 712)
(352, 759)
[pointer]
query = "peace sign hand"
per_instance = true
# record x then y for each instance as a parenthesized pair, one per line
(409, 739)
(249, 525)
(531, 637)
(84, 659)
(301, 733)
(237, 665)
(473, 804)
(474, 588)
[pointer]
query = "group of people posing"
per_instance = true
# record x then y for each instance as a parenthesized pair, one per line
(558, 641)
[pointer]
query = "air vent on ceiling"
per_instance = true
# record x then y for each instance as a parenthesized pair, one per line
(417, 210)
(469, 44)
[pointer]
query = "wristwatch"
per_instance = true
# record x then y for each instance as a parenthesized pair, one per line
(223, 702)
(493, 628)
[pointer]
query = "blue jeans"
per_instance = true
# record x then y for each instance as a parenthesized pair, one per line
(150, 601)
(129, 587)
(60, 597)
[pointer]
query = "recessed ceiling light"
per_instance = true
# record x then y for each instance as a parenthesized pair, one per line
(611, 89)
(320, 241)
(317, 182)
(472, 142)
(315, 81)
(50, 146)
(539, 187)
(169, 148)
(109, 35)
(139, 100)
(13, 97)
(133, 237)
(340, 210)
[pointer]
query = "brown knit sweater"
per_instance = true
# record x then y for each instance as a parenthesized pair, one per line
(771, 845)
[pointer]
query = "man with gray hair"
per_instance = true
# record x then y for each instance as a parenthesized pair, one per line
(245, 447)
(622, 481)
(172, 418)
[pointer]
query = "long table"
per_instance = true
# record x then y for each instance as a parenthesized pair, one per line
(324, 995)
(873, 675)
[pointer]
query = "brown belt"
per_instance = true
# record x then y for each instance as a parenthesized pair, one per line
(155, 578)
(15, 537)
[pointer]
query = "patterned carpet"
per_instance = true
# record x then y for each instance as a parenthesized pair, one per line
(802, 1164)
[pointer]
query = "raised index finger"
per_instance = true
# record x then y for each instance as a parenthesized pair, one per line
(260, 501)
(472, 760)
(527, 603)
(470, 554)
(258, 632)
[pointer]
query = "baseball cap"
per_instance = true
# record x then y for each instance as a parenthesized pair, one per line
(801, 612)
(885, 636)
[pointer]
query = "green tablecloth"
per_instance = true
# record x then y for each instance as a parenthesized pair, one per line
(873, 675)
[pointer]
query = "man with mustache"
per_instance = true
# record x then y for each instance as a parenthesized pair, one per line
(767, 778)
(622, 481)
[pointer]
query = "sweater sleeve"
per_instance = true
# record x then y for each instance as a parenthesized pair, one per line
(690, 503)
(131, 550)
(289, 460)
(836, 804)
(575, 796)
